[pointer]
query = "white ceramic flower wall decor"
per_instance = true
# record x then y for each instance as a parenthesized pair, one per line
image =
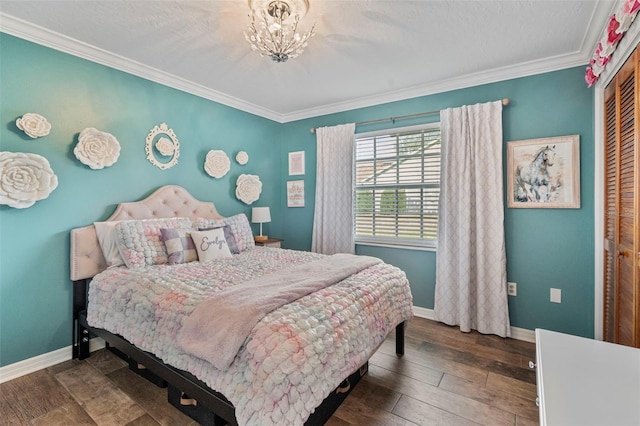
(248, 188)
(165, 147)
(217, 164)
(97, 149)
(25, 179)
(242, 158)
(34, 125)
(166, 144)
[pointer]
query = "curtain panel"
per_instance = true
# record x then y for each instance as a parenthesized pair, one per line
(471, 277)
(333, 214)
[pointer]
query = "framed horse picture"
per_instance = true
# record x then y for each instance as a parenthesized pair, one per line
(544, 173)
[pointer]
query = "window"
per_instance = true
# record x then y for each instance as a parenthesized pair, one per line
(397, 186)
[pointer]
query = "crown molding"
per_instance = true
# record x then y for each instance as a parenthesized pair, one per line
(34, 33)
(597, 23)
(45, 37)
(471, 80)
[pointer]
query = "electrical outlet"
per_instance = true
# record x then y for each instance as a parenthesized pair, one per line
(512, 289)
(556, 295)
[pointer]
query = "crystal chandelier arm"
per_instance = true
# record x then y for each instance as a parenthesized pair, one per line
(275, 45)
(287, 48)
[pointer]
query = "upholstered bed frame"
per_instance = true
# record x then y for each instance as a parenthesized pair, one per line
(87, 260)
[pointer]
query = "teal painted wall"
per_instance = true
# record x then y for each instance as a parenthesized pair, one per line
(72, 93)
(545, 247)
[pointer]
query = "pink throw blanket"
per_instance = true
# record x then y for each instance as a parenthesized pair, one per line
(217, 328)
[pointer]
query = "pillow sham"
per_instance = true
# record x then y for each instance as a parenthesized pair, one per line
(179, 244)
(242, 232)
(211, 244)
(107, 240)
(139, 241)
(240, 228)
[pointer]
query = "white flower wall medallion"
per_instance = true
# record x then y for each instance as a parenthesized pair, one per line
(162, 142)
(34, 125)
(165, 147)
(217, 164)
(248, 188)
(242, 158)
(97, 149)
(25, 179)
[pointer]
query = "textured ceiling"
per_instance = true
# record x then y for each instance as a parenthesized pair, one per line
(364, 52)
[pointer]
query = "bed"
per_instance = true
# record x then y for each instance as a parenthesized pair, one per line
(297, 363)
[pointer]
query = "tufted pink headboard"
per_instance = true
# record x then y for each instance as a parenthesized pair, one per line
(168, 201)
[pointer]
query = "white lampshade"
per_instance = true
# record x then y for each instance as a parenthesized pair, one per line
(260, 215)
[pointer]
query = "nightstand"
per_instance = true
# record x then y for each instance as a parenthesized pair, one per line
(270, 242)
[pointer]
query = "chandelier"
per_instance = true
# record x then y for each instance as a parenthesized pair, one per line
(274, 26)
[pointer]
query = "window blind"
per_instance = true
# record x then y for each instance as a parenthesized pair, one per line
(397, 187)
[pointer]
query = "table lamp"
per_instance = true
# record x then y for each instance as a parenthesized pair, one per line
(260, 215)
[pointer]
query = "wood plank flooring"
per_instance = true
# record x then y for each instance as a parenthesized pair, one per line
(445, 378)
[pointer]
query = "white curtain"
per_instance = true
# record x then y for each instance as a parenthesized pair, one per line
(471, 277)
(333, 216)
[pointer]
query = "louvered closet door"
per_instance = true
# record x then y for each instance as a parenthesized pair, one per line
(622, 199)
(610, 213)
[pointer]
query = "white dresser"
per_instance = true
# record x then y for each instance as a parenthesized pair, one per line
(586, 382)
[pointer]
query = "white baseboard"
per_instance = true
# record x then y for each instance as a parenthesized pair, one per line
(22, 368)
(523, 334)
(423, 313)
(516, 332)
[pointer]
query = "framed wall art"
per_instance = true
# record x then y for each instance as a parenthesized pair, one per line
(544, 173)
(296, 163)
(295, 193)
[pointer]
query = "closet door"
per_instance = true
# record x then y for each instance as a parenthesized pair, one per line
(622, 227)
(610, 213)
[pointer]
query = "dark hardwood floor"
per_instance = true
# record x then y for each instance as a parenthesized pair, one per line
(446, 377)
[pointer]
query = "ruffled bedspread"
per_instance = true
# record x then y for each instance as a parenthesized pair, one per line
(293, 358)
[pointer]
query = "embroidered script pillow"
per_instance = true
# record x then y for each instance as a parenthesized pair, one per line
(211, 244)
(240, 229)
(228, 235)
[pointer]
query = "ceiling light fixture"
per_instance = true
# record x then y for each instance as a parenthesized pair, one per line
(273, 29)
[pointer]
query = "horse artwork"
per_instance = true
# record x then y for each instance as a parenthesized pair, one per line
(533, 181)
(544, 173)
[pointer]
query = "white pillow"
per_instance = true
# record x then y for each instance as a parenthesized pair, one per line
(106, 238)
(211, 244)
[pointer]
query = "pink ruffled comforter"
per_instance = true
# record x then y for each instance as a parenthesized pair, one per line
(293, 358)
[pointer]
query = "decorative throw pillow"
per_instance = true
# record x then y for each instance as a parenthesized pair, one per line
(228, 235)
(180, 247)
(242, 232)
(211, 244)
(140, 243)
(240, 228)
(107, 240)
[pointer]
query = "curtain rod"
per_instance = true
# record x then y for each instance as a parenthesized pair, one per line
(505, 102)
